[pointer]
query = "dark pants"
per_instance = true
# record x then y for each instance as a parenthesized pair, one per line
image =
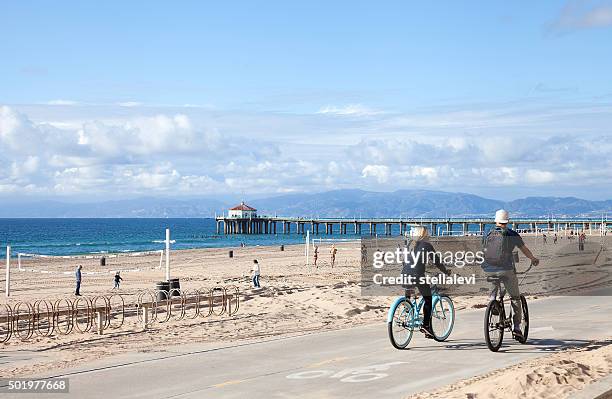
(510, 281)
(425, 291)
(256, 281)
(78, 288)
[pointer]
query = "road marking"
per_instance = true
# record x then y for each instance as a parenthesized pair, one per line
(538, 329)
(230, 382)
(334, 360)
(354, 374)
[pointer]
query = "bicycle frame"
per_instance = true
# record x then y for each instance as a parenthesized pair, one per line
(500, 293)
(435, 298)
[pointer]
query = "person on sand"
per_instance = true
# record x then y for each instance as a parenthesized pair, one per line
(118, 278)
(421, 254)
(255, 272)
(499, 245)
(581, 239)
(78, 281)
(333, 252)
(316, 255)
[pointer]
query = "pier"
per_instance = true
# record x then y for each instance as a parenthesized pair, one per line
(391, 226)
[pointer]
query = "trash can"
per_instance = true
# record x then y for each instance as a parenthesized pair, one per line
(231, 254)
(162, 288)
(103, 261)
(282, 247)
(175, 287)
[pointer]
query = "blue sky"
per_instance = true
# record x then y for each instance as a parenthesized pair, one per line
(196, 98)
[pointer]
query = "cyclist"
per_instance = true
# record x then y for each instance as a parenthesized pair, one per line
(499, 245)
(421, 254)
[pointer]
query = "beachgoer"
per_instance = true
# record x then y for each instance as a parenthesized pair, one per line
(118, 278)
(78, 281)
(255, 272)
(555, 239)
(421, 254)
(581, 239)
(499, 245)
(333, 252)
(316, 254)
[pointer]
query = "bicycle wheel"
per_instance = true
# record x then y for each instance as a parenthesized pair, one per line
(494, 326)
(443, 318)
(524, 320)
(401, 327)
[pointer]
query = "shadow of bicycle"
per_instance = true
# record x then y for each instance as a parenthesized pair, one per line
(535, 345)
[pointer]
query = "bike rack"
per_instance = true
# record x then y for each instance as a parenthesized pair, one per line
(203, 293)
(44, 317)
(236, 295)
(29, 317)
(88, 314)
(9, 323)
(110, 309)
(48, 311)
(68, 319)
(212, 300)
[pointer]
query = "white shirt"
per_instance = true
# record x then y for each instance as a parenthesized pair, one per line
(255, 269)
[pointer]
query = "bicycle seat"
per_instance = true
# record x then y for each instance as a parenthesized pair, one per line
(493, 279)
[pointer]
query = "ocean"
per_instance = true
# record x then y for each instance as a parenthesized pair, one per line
(86, 236)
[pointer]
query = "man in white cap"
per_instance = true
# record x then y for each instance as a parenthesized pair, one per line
(499, 245)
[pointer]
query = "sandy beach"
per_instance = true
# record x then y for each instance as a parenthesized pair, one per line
(294, 299)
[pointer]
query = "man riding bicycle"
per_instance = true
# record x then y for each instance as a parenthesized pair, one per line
(499, 245)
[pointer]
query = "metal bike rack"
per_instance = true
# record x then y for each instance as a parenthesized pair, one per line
(206, 294)
(236, 295)
(18, 317)
(9, 324)
(182, 303)
(76, 314)
(110, 311)
(57, 316)
(212, 300)
(48, 311)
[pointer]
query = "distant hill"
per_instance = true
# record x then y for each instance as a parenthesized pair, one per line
(337, 203)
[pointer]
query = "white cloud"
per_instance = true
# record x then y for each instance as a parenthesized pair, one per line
(201, 152)
(349, 110)
(537, 176)
(129, 104)
(62, 102)
(379, 172)
(583, 15)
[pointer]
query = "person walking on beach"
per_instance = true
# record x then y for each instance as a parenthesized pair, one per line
(555, 239)
(333, 252)
(255, 272)
(316, 255)
(117, 280)
(499, 245)
(78, 281)
(581, 239)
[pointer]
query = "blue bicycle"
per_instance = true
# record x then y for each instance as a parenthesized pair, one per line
(406, 314)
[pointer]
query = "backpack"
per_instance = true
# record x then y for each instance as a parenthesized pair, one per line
(495, 248)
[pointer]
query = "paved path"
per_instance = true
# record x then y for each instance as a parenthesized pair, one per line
(357, 363)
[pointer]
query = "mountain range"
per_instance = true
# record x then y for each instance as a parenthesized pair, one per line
(336, 203)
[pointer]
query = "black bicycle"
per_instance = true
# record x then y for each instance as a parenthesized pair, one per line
(496, 320)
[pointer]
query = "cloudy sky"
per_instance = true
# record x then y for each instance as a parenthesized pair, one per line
(259, 99)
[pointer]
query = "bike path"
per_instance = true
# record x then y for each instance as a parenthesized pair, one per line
(357, 362)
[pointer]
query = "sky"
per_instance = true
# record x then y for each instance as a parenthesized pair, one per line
(206, 99)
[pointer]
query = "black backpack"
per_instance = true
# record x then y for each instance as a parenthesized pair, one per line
(495, 247)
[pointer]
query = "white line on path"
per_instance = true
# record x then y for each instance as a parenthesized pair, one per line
(538, 329)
